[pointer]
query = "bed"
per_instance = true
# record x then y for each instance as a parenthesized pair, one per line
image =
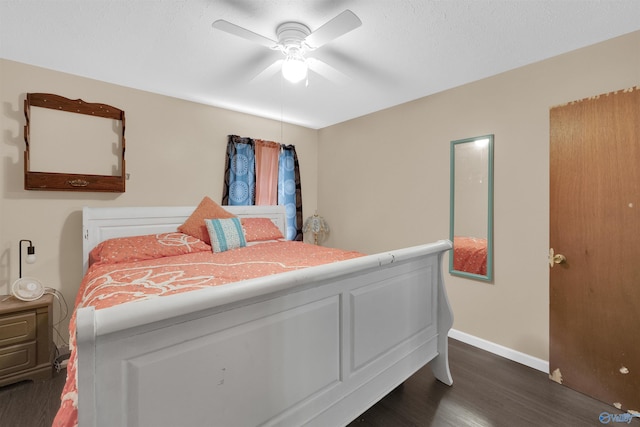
(312, 346)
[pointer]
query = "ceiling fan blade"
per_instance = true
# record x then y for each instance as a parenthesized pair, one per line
(327, 71)
(336, 27)
(236, 30)
(268, 72)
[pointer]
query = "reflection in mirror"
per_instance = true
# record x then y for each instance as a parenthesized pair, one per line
(471, 222)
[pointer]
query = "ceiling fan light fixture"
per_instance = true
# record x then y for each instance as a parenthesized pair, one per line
(295, 68)
(294, 40)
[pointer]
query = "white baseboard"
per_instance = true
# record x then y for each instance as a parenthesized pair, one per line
(508, 353)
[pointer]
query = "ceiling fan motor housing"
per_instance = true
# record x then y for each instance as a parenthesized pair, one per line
(292, 34)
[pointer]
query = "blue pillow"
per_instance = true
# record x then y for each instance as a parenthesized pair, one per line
(225, 234)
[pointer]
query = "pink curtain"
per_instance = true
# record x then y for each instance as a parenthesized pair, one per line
(267, 154)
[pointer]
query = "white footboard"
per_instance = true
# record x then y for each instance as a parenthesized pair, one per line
(315, 347)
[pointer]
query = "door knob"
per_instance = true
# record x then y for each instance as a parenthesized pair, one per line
(555, 258)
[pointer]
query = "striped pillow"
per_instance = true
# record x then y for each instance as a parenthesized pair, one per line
(225, 234)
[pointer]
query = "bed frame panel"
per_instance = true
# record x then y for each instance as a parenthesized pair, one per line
(313, 347)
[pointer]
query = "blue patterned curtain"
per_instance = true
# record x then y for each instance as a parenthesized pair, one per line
(287, 190)
(240, 169)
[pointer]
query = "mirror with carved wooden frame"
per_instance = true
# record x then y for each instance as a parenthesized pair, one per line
(76, 149)
(471, 213)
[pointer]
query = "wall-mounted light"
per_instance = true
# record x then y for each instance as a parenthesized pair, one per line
(31, 254)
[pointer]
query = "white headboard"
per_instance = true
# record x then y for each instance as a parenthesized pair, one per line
(99, 224)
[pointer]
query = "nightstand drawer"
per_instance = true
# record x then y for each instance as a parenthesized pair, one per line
(17, 328)
(17, 358)
(26, 337)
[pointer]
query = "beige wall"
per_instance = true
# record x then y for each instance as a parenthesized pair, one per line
(384, 180)
(175, 155)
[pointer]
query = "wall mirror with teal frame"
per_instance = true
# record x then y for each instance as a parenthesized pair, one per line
(471, 212)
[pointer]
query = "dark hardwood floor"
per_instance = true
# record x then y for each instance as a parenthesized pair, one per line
(31, 404)
(488, 390)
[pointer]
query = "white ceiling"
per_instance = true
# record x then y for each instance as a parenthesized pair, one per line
(404, 50)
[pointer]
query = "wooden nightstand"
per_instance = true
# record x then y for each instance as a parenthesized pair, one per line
(26, 335)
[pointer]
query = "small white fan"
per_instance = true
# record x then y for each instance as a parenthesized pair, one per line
(27, 289)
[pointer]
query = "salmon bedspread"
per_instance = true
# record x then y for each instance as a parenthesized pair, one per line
(107, 284)
(470, 255)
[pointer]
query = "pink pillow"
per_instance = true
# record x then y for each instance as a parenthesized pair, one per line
(259, 229)
(207, 209)
(150, 246)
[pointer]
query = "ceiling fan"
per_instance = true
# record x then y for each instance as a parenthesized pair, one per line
(294, 41)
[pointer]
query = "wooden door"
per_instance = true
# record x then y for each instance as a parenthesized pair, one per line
(595, 224)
